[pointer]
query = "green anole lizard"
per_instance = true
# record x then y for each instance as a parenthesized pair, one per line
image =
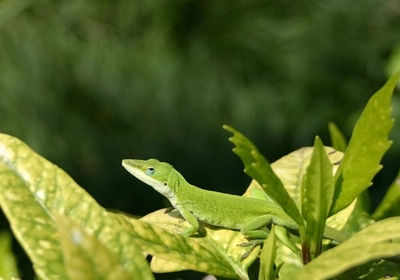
(215, 208)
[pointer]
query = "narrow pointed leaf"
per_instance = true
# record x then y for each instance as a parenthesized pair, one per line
(367, 145)
(380, 240)
(32, 189)
(317, 194)
(390, 204)
(337, 138)
(85, 256)
(267, 257)
(257, 167)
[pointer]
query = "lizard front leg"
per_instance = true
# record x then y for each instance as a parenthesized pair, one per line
(191, 219)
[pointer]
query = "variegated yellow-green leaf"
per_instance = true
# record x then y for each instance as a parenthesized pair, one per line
(390, 204)
(337, 138)
(215, 251)
(317, 194)
(367, 145)
(85, 256)
(267, 257)
(8, 263)
(379, 240)
(32, 189)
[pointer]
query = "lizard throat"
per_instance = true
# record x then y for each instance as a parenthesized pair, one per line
(155, 184)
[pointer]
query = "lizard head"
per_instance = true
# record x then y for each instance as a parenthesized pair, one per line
(160, 175)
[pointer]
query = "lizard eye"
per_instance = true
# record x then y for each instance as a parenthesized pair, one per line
(150, 171)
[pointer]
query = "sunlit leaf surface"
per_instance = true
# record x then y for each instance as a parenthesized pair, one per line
(368, 144)
(32, 189)
(85, 257)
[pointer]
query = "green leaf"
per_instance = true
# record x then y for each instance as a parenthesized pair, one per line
(287, 260)
(390, 204)
(373, 270)
(32, 189)
(257, 167)
(292, 167)
(267, 257)
(366, 148)
(339, 220)
(360, 217)
(85, 256)
(215, 252)
(337, 138)
(374, 242)
(8, 263)
(317, 194)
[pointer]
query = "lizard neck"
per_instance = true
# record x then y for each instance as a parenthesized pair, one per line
(177, 185)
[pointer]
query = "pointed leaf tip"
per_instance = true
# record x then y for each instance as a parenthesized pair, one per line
(368, 144)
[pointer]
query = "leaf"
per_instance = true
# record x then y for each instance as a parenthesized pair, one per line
(292, 167)
(257, 167)
(390, 204)
(360, 217)
(339, 220)
(374, 242)
(8, 263)
(317, 194)
(373, 270)
(366, 148)
(337, 138)
(287, 260)
(215, 252)
(32, 189)
(85, 256)
(267, 257)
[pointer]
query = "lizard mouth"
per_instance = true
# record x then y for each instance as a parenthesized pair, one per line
(159, 186)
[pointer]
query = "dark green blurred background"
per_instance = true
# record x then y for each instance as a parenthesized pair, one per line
(87, 83)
